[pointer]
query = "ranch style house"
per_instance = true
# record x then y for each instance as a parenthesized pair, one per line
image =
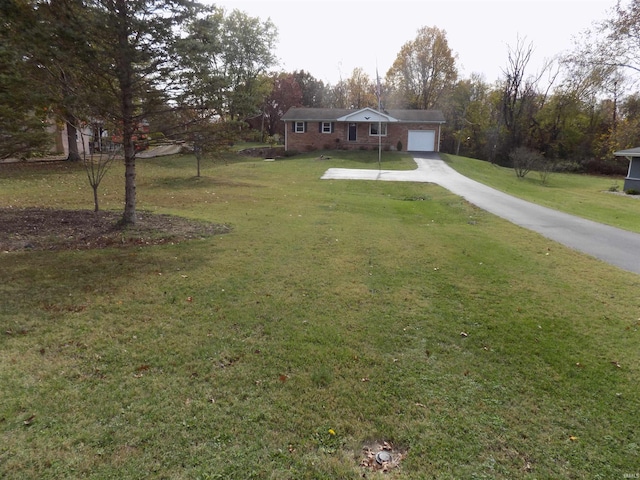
(309, 129)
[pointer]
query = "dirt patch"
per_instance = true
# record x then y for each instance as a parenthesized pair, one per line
(381, 456)
(48, 229)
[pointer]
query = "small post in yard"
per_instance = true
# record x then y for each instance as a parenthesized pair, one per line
(379, 120)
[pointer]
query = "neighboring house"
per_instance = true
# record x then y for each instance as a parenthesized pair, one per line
(632, 180)
(60, 142)
(334, 128)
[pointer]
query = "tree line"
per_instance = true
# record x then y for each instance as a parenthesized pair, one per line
(198, 73)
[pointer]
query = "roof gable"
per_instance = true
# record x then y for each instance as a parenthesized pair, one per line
(367, 115)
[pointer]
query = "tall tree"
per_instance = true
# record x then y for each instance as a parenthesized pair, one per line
(360, 90)
(132, 41)
(468, 109)
(44, 33)
(624, 36)
(285, 93)
(222, 76)
(23, 108)
(337, 96)
(522, 96)
(247, 55)
(423, 70)
(314, 91)
(225, 58)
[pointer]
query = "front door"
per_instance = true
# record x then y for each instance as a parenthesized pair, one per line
(353, 132)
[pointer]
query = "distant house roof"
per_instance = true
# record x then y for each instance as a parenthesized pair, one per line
(349, 114)
(632, 152)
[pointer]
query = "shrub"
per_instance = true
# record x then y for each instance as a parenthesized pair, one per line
(616, 166)
(524, 160)
(632, 191)
(399, 146)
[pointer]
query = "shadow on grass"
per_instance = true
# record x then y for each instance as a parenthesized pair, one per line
(69, 279)
(179, 183)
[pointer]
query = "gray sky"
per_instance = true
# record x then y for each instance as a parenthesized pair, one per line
(330, 38)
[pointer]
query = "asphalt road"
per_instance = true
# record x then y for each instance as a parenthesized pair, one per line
(609, 244)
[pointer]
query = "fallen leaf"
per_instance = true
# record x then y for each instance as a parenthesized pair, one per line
(572, 438)
(189, 299)
(283, 378)
(143, 368)
(617, 364)
(29, 420)
(464, 334)
(421, 405)
(364, 379)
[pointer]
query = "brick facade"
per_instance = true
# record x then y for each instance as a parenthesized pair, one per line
(314, 139)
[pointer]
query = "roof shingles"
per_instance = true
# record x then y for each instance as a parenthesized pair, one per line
(332, 114)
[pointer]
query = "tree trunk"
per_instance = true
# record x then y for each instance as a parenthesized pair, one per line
(125, 79)
(72, 139)
(96, 206)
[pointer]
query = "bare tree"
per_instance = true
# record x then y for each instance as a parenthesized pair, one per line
(524, 160)
(97, 162)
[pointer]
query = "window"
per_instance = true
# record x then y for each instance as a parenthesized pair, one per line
(373, 129)
(326, 127)
(298, 127)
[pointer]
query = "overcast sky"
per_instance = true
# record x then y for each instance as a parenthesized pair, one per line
(330, 38)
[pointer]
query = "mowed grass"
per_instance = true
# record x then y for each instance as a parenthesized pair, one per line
(380, 311)
(587, 196)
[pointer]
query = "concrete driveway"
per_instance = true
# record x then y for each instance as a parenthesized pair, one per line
(612, 245)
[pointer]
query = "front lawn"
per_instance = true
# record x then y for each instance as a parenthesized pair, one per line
(335, 316)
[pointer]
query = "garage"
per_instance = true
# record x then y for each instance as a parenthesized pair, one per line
(421, 141)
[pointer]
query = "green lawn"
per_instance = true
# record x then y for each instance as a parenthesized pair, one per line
(380, 311)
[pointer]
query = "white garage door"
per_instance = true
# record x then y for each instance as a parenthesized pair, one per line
(421, 141)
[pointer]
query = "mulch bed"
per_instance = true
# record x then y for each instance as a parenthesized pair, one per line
(48, 229)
